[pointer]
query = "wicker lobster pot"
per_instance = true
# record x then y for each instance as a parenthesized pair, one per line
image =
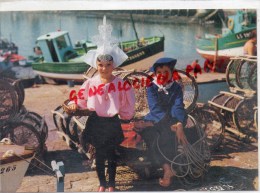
(35, 120)
(189, 89)
(23, 133)
(91, 72)
(212, 122)
(231, 72)
(237, 110)
(245, 72)
(252, 81)
(19, 90)
(256, 117)
(18, 124)
(9, 105)
(242, 72)
(140, 81)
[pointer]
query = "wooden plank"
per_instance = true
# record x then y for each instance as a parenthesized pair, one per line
(232, 94)
(221, 107)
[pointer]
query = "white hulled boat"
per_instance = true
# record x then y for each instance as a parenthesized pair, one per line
(14, 162)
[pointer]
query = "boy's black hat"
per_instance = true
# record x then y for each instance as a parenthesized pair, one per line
(171, 62)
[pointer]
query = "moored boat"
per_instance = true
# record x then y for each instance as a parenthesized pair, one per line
(61, 61)
(219, 48)
(9, 55)
(14, 161)
(7, 46)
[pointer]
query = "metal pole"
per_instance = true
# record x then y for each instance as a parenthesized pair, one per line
(60, 174)
(216, 53)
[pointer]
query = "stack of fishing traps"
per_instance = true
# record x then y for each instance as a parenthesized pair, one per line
(21, 126)
(191, 162)
(238, 107)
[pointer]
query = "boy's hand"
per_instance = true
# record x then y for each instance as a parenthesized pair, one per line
(178, 129)
(140, 125)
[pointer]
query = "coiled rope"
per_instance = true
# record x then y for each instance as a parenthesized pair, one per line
(192, 160)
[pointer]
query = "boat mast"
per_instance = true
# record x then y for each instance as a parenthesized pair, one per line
(222, 21)
(134, 27)
(120, 35)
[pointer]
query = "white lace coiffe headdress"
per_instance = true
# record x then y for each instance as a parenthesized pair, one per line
(106, 45)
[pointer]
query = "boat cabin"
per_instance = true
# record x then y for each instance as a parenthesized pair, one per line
(242, 20)
(56, 46)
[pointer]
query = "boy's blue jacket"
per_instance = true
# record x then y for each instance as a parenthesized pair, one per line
(161, 103)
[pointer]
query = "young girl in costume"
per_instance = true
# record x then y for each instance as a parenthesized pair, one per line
(109, 98)
(166, 120)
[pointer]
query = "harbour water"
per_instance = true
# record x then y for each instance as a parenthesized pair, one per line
(23, 28)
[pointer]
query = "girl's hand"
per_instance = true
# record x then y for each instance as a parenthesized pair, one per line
(178, 128)
(72, 107)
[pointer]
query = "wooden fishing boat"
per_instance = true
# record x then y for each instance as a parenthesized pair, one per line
(9, 55)
(59, 60)
(14, 161)
(219, 48)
